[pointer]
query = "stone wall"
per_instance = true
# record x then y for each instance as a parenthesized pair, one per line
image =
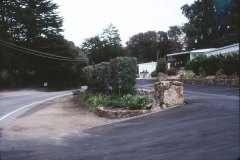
(118, 113)
(211, 81)
(220, 80)
(145, 92)
(164, 95)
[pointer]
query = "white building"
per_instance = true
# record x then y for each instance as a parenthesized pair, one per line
(224, 50)
(180, 59)
(146, 67)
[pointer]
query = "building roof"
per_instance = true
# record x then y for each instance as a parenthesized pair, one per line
(174, 54)
(203, 50)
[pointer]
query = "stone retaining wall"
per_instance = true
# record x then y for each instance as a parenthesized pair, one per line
(164, 95)
(118, 113)
(211, 82)
(145, 92)
(220, 80)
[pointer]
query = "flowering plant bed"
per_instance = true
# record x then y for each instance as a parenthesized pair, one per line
(128, 101)
(115, 106)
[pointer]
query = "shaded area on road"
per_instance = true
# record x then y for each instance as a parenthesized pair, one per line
(206, 127)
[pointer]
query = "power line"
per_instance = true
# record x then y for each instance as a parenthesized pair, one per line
(69, 60)
(52, 55)
(40, 54)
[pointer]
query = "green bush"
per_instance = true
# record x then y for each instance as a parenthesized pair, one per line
(97, 76)
(213, 65)
(161, 66)
(128, 101)
(101, 76)
(214, 61)
(230, 65)
(144, 73)
(154, 74)
(188, 66)
(123, 74)
(197, 64)
(120, 73)
(87, 73)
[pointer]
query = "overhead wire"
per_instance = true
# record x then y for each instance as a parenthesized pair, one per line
(38, 53)
(34, 50)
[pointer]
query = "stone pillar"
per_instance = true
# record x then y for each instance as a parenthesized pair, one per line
(168, 94)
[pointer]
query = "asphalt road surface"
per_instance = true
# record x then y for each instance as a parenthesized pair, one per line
(205, 128)
(13, 104)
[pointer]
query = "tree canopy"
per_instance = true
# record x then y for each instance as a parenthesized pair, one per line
(212, 23)
(176, 37)
(103, 47)
(148, 46)
(35, 25)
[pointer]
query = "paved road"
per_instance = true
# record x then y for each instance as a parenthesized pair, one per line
(13, 104)
(205, 128)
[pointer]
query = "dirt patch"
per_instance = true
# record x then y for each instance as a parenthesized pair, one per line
(54, 120)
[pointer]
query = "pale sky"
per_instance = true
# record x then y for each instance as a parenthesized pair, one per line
(87, 18)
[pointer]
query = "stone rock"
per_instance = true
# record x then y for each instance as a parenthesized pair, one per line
(145, 92)
(149, 106)
(210, 77)
(162, 76)
(168, 94)
(211, 81)
(118, 113)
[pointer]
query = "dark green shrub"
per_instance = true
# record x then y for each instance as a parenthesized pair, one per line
(87, 73)
(188, 66)
(211, 65)
(154, 74)
(171, 72)
(120, 73)
(101, 76)
(199, 65)
(230, 65)
(144, 73)
(161, 66)
(217, 64)
(123, 74)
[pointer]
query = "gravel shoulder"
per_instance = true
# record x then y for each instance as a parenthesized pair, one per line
(54, 120)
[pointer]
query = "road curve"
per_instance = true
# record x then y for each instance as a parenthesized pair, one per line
(205, 128)
(15, 103)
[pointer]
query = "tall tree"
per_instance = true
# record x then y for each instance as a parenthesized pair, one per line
(212, 23)
(148, 46)
(34, 24)
(175, 35)
(103, 47)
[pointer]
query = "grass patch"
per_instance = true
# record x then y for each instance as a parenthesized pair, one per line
(127, 101)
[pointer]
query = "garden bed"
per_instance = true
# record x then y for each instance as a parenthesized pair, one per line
(115, 106)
